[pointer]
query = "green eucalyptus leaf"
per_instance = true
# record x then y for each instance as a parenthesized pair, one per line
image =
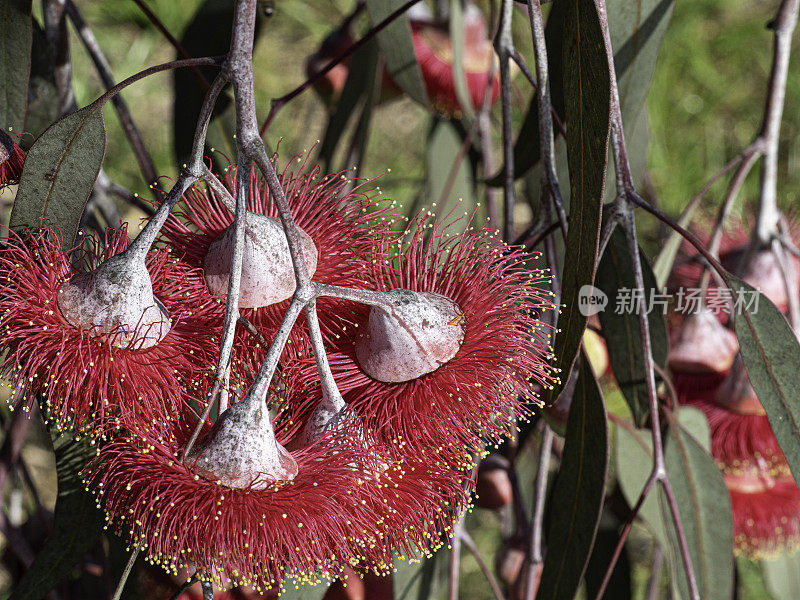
(294, 590)
(782, 575)
(15, 61)
(578, 491)
(358, 87)
(76, 527)
(621, 329)
(59, 173)
(705, 512)
(586, 93)
(42, 94)
(443, 146)
(459, 75)
(771, 355)
(398, 47)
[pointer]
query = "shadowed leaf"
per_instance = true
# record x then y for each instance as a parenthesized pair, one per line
(59, 172)
(398, 47)
(578, 491)
(76, 527)
(15, 61)
(621, 329)
(586, 93)
(782, 575)
(42, 94)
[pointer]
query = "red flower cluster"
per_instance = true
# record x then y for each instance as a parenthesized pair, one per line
(709, 374)
(440, 363)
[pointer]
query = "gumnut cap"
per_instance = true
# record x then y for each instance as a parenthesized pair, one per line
(241, 451)
(737, 395)
(419, 333)
(267, 273)
(115, 302)
(703, 345)
(764, 273)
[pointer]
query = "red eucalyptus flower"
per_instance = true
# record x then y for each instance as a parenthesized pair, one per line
(338, 226)
(433, 48)
(12, 158)
(474, 348)
(345, 504)
(85, 380)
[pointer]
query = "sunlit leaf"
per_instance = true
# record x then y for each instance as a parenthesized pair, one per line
(59, 173)
(585, 77)
(398, 47)
(771, 356)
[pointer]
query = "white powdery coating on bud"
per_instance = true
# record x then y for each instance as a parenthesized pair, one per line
(267, 273)
(420, 333)
(764, 274)
(703, 345)
(116, 302)
(241, 451)
(328, 415)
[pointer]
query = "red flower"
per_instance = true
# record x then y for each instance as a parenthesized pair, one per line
(86, 381)
(766, 511)
(433, 48)
(482, 387)
(12, 158)
(346, 505)
(341, 226)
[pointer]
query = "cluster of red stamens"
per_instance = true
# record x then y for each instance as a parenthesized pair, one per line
(389, 478)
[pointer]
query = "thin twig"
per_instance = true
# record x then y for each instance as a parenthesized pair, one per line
(278, 103)
(455, 558)
(535, 544)
(504, 44)
(470, 545)
(523, 67)
(127, 571)
(185, 586)
(198, 74)
(104, 70)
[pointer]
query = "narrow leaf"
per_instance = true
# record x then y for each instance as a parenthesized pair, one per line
(443, 147)
(15, 61)
(420, 580)
(586, 92)
(357, 88)
(620, 322)
(77, 523)
(705, 512)
(459, 75)
(398, 47)
(59, 172)
(771, 356)
(669, 250)
(637, 30)
(42, 94)
(782, 575)
(578, 491)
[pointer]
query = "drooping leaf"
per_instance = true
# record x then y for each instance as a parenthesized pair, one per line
(705, 512)
(59, 172)
(457, 44)
(637, 30)
(42, 93)
(702, 498)
(15, 62)
(357, 88)
(782, 575)
(620, 322)
(586, 93)
(443, 147)
(771, 355)
(578, 491)
(398, 47)
(76, 527)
